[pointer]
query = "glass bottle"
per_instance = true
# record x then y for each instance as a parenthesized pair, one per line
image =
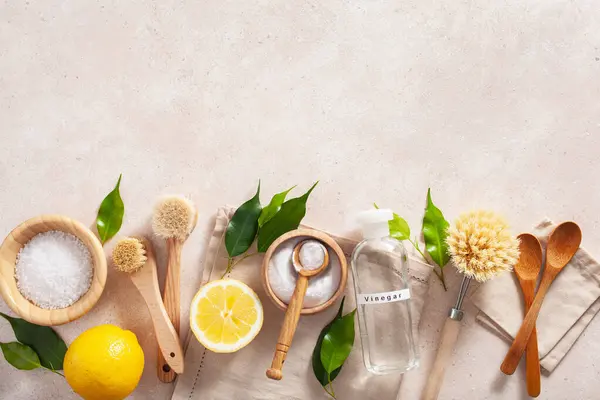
(381, 286)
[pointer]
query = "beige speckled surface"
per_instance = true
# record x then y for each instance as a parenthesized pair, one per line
(493, 103)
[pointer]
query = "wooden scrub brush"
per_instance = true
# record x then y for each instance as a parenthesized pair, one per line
(481, 246)
(135, 257)
(174, 219)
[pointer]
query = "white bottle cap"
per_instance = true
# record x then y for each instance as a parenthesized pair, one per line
(374, 223)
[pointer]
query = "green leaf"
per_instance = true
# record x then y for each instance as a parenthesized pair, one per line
(274, 206)
(20, 356)
(318, 369)
(399, 228)
(243, 226)
(286, 219)
(110, 214)
(50, 348)
(435, 231)
(338, 342)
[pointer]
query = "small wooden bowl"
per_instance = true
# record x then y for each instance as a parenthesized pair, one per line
(8, 257)
(309, 233)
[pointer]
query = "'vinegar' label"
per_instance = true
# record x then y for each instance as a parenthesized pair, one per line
(384, 297)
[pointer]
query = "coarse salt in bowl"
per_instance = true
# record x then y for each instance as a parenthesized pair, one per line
(52, 270)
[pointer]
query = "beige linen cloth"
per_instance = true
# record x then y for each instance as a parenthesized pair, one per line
(569, 305)
(241, 375)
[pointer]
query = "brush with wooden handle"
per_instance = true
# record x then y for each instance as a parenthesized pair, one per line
(174, 219)
(481, 247)
(136, 257)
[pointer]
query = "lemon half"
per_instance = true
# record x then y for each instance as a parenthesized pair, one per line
(226, 315)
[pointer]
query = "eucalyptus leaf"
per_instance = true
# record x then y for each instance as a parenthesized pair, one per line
(318, 369)
(20, 356)
(110, 214)
(286, 219)
(435, 231)
(274, 206)
(50, 348)
(338, 342)
(243, 226)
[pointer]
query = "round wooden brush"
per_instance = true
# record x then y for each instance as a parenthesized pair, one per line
(481, 246)
(174, 219)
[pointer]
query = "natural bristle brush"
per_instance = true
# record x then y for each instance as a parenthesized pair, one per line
(481, 246)
(174, 219)
(135, 257)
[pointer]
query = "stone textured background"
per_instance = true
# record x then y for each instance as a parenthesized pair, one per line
(492, 103)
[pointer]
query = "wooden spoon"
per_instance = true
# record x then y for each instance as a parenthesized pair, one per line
(527, 270)
(292, 314)
(562, 245)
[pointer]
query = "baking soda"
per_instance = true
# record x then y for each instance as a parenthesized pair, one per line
(283, 276)
(54, 270)
(311, 255)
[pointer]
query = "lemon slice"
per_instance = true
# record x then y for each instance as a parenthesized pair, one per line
(226, 315)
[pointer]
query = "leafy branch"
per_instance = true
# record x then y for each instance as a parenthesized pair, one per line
(252, 222)
(37, 347)
(440, 273)
(435, 231)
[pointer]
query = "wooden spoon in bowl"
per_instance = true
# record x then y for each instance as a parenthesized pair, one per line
(310, 258)
(563, 242)
(527, 270)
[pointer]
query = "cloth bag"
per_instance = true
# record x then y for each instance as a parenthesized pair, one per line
(241, 375)
(569, 306)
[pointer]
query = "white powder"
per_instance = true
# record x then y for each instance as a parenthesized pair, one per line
(283, 275)
(311, 255)
(54, 269)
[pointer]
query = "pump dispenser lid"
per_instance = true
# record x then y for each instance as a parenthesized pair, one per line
(374, 223)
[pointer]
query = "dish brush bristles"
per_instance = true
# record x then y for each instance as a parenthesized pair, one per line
(129, 255)
(174, 217)
(481, 245)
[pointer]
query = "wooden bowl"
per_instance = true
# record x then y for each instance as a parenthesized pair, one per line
(8, 255)
(309, 233)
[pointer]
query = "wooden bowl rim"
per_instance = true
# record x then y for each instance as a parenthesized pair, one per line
(26, 309)
(329, 241)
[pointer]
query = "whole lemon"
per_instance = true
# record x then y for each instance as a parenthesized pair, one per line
(104, 363)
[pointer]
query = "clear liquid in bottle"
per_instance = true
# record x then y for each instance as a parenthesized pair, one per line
(381, 285)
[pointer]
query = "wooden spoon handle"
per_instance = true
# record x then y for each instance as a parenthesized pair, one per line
(442, 359)
(171, 302)
(532, 357)
(286, 334)
(511, 361)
